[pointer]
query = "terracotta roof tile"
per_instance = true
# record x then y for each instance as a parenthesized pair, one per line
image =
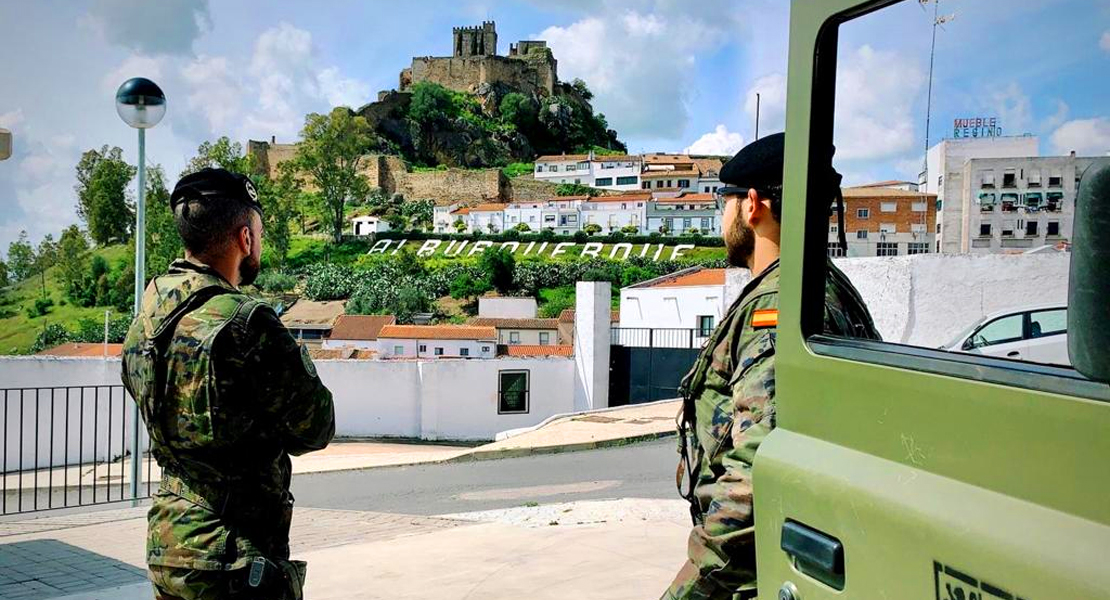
(360, 327)
(437, 332)
(535, 350)
(567, 316)
(700, 277)
(509, 323)
(667, 174)
(883, 192)
(488, 208)
(85, 349)
(549, 158)
(687, 198)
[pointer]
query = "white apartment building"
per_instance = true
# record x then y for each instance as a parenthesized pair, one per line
(486, 218)
(621, 172)
(562, 214)
(679, 213)
(946, 160)
(1012, 204)
(614, 213)
(437, 341)
(444, 217)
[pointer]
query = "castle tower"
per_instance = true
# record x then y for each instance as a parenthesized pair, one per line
(475, 41)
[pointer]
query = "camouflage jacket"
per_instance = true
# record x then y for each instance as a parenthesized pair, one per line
(731, 389)
(227, 396)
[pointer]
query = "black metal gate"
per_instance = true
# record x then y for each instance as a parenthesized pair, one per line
(648, 364)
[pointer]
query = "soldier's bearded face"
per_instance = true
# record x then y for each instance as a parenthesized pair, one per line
(739, 236)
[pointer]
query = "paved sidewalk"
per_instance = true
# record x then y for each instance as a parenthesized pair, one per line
(586, 431)
(625, 549)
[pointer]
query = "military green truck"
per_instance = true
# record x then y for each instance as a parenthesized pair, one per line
(901, 472)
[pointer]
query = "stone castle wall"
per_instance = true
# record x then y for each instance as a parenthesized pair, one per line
(391, 175)
(465, 74)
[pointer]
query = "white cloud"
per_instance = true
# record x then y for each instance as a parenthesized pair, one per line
(343, 91)
(1104, 41)
(1089, 137)
(720, 142)
(639, 63)
(11, 118)
(162, 27)
(875, 93)
(214, 90)
(1057, 119)
(772, 102)
(1013, 108)
(132, 66)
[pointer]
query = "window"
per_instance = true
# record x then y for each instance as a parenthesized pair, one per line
(861, 234)
(1034, 178)
(1009, 179)
(571, 168)
(919, 206)
(647, 185)
(940, 181)
(1048, 322)
(422, 348)
(1007, 229)
(835, 251)
(683, 183)
(626, 180)
(1053, 228)
(464, 351)
(917, 227)
(545, 338)
(984, 230)
(514, 337)
(999, 331)
(576, 180)
(572, 219)
(485, 349)
(439, 351)
(886, 249)
(888, 207)
(659, 184)
(1031, 228)
(917, 248)
(863, 213)
(705, 190)
(512, 392)
(1055, 180)
(603, 181)
(549, 218)
(706, 224)
(834, 229)
(887, 228)
(686, 223)
(398, 350)
(987, 179)
(1055, 200)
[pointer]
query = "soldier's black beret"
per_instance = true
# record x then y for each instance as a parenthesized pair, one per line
(759, 164)
(216, 185)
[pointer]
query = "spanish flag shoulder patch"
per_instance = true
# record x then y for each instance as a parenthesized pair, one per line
(765, 318)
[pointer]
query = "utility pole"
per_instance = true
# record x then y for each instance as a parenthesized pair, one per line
(757, 115)
(937, 21)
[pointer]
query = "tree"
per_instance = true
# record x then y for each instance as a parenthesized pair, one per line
(21, 258)
(419, 213)
(73, 261)
(460, 226)
(592, 228)
(102, 198)
(580, 87)
(465, 286)
(519, 110)
(431, 104)
(497, 264)
(630, 229)
(575, 189)
(331, 152)
(163, 243)
(522, 227)
(4, 278)
(46, 256)
(279, 203)
(222, 154)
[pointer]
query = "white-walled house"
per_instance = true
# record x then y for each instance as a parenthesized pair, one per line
(619, 172)
(613, 213)
(692, 300)
(680, 213)
(516, 331)
(443, 218)
(367, 225)
(437, 341)
(357, 331)
(487, 218)
(507, 307)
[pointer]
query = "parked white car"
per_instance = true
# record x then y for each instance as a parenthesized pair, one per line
(1034, 334)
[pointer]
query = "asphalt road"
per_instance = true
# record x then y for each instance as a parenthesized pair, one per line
(644, 470)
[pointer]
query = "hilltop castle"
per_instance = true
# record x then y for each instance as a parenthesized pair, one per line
(529, 68)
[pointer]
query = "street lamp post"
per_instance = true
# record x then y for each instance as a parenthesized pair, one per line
(141, 104)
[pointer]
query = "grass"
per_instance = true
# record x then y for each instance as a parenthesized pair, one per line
(18, 332)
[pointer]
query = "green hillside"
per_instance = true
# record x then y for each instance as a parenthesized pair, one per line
(18, 329)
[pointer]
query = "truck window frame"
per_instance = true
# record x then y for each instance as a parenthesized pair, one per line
(1025, 375)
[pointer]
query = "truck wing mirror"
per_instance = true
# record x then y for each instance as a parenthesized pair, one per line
(1089, 277)
(5, 144)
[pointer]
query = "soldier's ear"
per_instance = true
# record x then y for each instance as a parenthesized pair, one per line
(244, 240)
(755, 208)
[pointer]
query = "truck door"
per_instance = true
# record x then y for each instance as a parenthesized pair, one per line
(899, 471)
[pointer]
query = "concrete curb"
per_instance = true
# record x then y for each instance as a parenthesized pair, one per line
(557, 449)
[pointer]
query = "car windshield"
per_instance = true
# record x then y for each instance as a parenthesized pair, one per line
(959, 339)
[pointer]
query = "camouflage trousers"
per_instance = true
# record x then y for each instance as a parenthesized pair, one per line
(172, 583)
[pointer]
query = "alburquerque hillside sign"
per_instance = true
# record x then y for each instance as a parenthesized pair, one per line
(467, 248)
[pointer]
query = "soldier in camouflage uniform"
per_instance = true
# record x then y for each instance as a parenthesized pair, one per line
(729, 405)
(227, 396)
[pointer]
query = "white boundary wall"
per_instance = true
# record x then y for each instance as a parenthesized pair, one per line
(433, 400)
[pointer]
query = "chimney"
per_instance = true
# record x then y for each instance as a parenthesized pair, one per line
(1073, 153)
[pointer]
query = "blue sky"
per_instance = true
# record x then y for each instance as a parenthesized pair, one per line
(670, 75)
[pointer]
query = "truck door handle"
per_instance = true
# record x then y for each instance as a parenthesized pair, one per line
(1013, 354)
(814, 553)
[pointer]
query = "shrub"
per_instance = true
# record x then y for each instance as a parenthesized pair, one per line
(39, 308)
(50, 336)
(591, 229)
(581, 237)
(273, 282)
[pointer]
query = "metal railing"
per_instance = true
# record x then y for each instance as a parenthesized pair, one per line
(644, 337)
(69, 446)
